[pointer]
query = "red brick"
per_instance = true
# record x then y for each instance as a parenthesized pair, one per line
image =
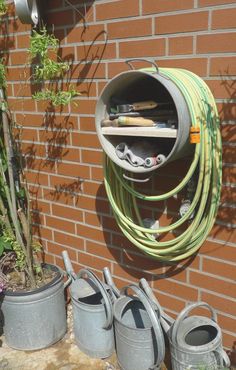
(42, 232)
(86, 140)
(156, 7)
(18, 58)
(69, 169)
(40, 206)
(130, 28)
(71, 241)
(66, 184)
(227, 111)
(92, 261)
(58, 196)
(196, 65)
(216, 43)
(90, 69)
(117, 9)
(220, 269)
(87, 124)
(36, 178)
(58, 249)
(180, 45)
(58, 224)
(213, 284)
(90, 33)
(228, 194)
(92, 219)
(142, 48)
(184, 291)
(97, 51)
(221, 89)
(224, 18)
(97, 174)
(214, 2)
(223, 66)
(227, 323)
(220, 251)
(188, 22)
(219, 303)
(130, 274)
(67, 212)
(102, 250)
(91, 233)
(23, 41)
(92, 157)
(114, 68)
(62, 18)
(170, 302)
(30, 120)
(94, 188)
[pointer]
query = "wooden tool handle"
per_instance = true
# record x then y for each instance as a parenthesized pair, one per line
(135, 121)
(109, 123)
(149, 104)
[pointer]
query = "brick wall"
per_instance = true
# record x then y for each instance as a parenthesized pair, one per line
(64, 157)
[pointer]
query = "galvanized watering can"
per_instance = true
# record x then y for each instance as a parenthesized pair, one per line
(92, 313)
(138, 334)
(196, 341)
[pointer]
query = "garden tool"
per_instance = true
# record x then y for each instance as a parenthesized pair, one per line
(127, 121)
(123, 108)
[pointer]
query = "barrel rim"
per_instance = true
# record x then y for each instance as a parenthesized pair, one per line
(55, 280)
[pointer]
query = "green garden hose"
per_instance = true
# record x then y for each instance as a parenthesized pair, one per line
(206, 165)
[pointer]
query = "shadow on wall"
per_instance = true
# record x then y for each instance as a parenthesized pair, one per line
(226, 221)
(91, 42)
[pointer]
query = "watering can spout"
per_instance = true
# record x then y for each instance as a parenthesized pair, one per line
(166, 320)
(109, 281)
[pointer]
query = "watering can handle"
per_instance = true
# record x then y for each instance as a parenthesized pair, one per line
(153, 317)
(107, 300)
(184, 313)
(224, 357)
(129, 61)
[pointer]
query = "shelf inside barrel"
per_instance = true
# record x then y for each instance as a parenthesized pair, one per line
(140, 131)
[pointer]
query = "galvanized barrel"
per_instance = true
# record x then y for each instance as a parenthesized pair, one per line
(138, 334)
(36, 319)
(196, 341)
(93, 319)
(140, 85)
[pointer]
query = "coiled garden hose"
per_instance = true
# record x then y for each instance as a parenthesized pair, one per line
(206, 165)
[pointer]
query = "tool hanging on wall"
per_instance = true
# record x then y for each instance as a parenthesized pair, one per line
(206, 166)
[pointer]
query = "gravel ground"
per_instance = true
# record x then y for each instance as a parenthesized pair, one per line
(64, 355)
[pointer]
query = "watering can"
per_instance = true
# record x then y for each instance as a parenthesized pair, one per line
(195, 341)
(138, 334)
(92, 313)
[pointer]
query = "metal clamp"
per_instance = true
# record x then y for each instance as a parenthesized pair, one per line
(134, 179)
(27, 11)
(129, 63)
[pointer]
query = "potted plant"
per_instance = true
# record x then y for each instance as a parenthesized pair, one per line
(32, 293)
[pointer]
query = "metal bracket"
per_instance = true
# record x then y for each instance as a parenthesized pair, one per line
(28, 11)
